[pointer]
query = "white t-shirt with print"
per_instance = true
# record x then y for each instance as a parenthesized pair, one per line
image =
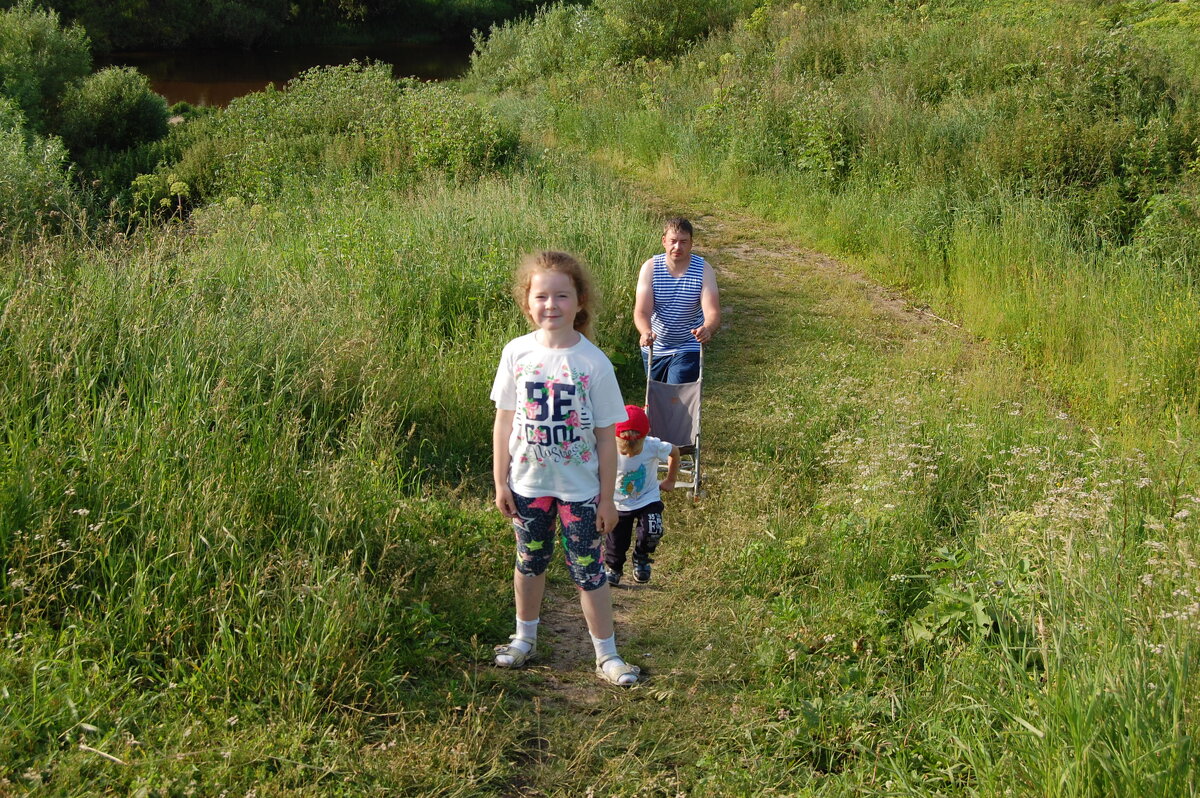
(561, 397)
(637, 476)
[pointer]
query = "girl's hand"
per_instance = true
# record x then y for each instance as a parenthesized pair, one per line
(505, 503)
(606, 516)
(667, 485)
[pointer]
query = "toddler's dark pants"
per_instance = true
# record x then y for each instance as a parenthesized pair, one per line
(649, 524)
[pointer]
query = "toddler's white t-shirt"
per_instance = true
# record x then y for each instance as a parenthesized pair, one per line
(637, 476)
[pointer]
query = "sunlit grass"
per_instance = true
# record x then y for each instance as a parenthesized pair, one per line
(1006, 164)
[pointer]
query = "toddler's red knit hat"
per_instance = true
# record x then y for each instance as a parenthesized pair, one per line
(637, 422)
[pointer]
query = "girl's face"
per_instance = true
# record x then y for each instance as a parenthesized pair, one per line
(553, 301)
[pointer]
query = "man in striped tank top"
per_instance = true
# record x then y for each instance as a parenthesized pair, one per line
(676, 306)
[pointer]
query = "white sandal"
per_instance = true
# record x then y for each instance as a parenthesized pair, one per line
(519, 657)
(624, 669)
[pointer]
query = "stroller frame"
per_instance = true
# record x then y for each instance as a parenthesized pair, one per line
(674, 413)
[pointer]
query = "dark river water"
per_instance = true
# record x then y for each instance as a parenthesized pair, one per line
(215, 77)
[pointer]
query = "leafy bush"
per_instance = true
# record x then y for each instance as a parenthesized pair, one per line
(569, 39)
(763, 132)
(35, 186)
(1170, 232)
(634, 29)
(444, 132)
(39, 59)
(336, 123)
(557, 40)
(113, 109)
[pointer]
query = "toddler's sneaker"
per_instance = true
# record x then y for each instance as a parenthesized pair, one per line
(641, 571)
(614, 577)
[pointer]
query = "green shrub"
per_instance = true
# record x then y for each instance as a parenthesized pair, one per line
(113, 109)
(557, 41)
(661, 28)
(570, 40)
(764, 132)
(35, 185)
(336, 124)
(1170, 232)
(444, 132)
(39, 59)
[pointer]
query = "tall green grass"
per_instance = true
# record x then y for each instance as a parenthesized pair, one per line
(224, 445)
(244, 535)
(957, 591)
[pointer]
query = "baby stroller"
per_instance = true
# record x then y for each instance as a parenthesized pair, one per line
(674, 413)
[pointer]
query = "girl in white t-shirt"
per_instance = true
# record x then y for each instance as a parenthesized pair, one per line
(554, 454)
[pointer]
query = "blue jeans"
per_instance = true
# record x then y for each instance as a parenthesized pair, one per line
(673, 369)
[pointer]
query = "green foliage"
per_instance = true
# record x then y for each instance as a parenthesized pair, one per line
(336, 123)
(1170, 232)
(632, 29)
(934, 141)
(559, 40)
(765, 133)
(36, 191)
(113, 109)
(222, 490)
(39, 59)
(571, 40)
(952, 554)
(173, 24)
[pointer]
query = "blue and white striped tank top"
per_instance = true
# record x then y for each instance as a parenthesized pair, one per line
(677, 308)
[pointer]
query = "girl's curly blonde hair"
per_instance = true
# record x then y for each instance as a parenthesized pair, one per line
(562, 263)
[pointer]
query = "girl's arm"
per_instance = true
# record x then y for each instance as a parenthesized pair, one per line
(668, 482)
(606, 452)
(502, 460)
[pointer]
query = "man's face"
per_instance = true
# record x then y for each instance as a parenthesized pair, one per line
(677, 245)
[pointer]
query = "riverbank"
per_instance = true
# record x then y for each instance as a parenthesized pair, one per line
(214, 77)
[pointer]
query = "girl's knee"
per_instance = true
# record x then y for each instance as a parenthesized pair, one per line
(529, 564)
(587, 576)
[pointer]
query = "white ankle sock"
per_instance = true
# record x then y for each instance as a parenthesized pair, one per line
(606, 647)
(527, 630)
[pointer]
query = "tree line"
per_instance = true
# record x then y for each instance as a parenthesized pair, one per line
(166, 24)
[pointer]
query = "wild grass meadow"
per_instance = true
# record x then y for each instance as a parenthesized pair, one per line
(949, 543)
(1026, 168)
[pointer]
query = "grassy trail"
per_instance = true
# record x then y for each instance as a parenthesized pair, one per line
(695, 627)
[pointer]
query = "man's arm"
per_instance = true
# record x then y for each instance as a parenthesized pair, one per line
(643, 303)
(710, 303)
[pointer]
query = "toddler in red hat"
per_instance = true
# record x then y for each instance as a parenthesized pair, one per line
(637, 496)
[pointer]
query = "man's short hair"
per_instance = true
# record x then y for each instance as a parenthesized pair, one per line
(679, 225)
